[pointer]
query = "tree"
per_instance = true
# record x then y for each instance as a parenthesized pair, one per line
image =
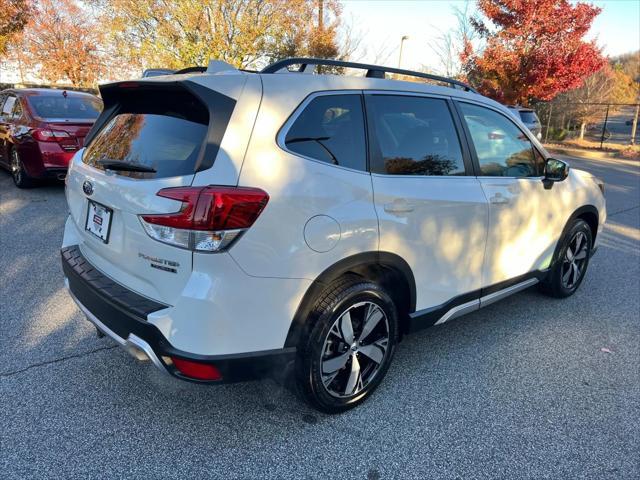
(611, 84)
(63, 42)
(244, 33)
(449, 45)
(534, 49)
(14, 15)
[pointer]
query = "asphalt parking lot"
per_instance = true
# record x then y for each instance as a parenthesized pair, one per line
(530, 387)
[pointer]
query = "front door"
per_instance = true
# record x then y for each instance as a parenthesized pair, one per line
(431, 209)
(522, 214)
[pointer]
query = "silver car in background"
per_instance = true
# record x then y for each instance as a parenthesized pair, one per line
(529, 118)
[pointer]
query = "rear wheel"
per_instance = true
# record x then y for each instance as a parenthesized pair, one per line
(571, 263)
(20, 177)
(349, 346)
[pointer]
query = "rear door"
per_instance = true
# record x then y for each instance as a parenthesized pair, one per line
(431, 209)
(171, 131)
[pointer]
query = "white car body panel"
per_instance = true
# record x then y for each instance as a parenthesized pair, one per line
(247, 91)
(443, 234)
(222, 310)
(301, 189)
(122, 257)
(526, 221)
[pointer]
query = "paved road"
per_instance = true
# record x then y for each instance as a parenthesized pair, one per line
(521, 389)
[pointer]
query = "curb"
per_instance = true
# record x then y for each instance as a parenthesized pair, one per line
(577, 152)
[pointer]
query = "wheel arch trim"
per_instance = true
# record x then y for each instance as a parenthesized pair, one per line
(341, 267)
(578, 213)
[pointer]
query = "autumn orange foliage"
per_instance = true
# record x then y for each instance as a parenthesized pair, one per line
(534, 49)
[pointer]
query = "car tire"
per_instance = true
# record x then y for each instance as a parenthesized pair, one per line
(571, 261)
(348, 346)
(19, 175)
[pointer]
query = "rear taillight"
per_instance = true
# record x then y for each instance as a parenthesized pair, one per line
(46, 135)
(210, 218)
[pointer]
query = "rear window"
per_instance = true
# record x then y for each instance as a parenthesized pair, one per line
(58, 106)
(528, 116)
(163, 132)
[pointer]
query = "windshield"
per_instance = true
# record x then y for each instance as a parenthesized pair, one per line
(57, 106)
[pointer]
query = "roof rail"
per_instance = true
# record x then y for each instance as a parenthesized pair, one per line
(373, 71)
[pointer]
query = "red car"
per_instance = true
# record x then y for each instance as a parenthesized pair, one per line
(41, 129)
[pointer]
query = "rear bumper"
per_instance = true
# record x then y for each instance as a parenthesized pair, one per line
(122, 315)
(57, 173)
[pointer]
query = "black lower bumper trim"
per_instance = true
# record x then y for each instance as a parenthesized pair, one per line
(125, 312)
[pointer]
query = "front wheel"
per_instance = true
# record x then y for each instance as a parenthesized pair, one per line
(571, 263)
(349, 345)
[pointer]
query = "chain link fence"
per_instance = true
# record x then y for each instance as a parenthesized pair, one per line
(589, 124)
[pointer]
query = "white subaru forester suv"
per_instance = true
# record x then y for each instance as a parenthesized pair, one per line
(226, 223)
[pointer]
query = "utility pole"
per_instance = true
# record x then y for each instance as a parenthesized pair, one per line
(404, 37)
(604, 127)
(546, 133)
(320, 15)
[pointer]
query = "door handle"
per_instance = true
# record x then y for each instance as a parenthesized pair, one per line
(399, 206)
(499, 199)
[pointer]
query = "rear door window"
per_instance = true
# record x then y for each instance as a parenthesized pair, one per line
(162, 132)
(413, 136)
(331, 129)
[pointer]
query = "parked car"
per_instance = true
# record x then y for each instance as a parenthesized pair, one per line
(530, 118)
(41, 129)
(223, 224)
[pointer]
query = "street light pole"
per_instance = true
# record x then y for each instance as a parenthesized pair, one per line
(404, 37)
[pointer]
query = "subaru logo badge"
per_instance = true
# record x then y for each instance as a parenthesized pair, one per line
(87, 187)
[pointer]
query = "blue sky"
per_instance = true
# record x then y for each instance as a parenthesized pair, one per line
(382, 23)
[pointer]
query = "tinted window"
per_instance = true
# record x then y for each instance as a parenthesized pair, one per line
(162, 132)
(7, 108)
(503, 150)
(17, 110)
(528, 116)
(331, 129)
(415, 136)
(58, 106)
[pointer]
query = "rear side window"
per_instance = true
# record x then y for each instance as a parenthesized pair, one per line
(331, 129)
(413, 136)
(59, 106)
(164, 132)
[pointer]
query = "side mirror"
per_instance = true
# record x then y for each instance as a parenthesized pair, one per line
(554, 171)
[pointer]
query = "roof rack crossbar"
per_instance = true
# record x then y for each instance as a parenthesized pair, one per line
(373, 71)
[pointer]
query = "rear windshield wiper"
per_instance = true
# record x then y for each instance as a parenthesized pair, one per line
(318, 140)
(125, 166)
